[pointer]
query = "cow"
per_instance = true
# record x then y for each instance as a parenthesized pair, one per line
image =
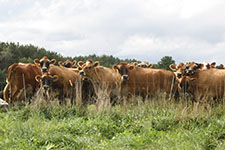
(204, 84)
(68, 63)
(142, 64)
(221, 66)
(87, 89)
(104, 80)
(144, 82)
(21, 78)
(60, 79)
(44, 63)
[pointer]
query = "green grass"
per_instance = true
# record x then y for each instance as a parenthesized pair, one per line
(145, 126)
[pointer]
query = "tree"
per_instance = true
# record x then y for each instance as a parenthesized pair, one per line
(165, 62)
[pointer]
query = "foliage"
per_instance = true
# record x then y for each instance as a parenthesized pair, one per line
(149, 126)
(164, 63)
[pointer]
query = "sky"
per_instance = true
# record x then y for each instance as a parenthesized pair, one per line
(145, 30)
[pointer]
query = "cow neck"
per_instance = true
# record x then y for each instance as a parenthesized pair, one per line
(96, 74)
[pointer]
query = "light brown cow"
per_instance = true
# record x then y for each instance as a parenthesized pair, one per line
(104, 79)
(20, 76)
(145, 81)
(63, 80)
(205, 84)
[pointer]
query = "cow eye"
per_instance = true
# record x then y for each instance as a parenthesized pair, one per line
(89, 67)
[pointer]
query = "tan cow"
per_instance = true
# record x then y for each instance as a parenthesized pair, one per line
(144, 81)
(61, 79)
(20, 76)
(205, 84)
(104, 79)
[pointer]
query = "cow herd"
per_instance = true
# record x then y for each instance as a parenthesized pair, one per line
(85, 80)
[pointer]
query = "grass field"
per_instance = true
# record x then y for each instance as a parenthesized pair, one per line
(154, 125)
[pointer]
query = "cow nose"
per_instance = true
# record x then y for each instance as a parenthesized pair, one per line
(44, 69)
(45, 87)
(85, 79)
(82, 73)
(190, 72)
(125, 77)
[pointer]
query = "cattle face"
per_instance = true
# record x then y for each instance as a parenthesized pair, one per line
(144, 65)
(44, 63)
(46, 81)
(68, 63)
(123, 69)
(191, 67)
(180, 69)
(221, 66)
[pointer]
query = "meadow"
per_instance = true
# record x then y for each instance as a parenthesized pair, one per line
(157, 124)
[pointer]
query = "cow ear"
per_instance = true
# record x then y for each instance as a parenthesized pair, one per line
(80, 63)
(213, 64)
(55, 78)
(60, 63)
(53, 61)
(115, 67)
(131, 67)
(150, 65)
(38, 78)
(37, 61)
(96, 64)
(172, 67)
(74, 62)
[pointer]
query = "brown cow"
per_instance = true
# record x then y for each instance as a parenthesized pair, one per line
(104, 79)
(20, 76)
(87, 88)
(61, 79)
(44, 63)
(68, 63)
(204, 84)
(144, 81)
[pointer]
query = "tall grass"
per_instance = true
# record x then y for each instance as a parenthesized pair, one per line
(154, 124)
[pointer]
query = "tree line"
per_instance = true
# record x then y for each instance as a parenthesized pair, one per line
(14, 53)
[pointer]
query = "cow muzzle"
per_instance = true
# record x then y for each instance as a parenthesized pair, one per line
(82, 73)
(44, 69)
(124, 77)
(46, 87)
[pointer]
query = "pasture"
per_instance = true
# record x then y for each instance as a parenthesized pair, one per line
(155, 124)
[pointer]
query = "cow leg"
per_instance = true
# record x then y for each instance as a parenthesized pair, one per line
(61, 96)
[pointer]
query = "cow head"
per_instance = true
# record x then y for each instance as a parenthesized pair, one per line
(144, 65)
(68, 63)
(191, 67)
(180, 69)
(88, 68)
(221, 66)
(123, 69)
(46, 80)
(44, 63)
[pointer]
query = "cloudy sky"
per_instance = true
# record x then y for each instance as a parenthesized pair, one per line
(147, 30)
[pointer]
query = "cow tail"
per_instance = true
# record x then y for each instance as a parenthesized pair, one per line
(6, 93)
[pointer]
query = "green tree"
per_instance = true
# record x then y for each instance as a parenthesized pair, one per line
(165, 62)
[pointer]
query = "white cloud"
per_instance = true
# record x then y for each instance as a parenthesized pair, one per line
(141, 29)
